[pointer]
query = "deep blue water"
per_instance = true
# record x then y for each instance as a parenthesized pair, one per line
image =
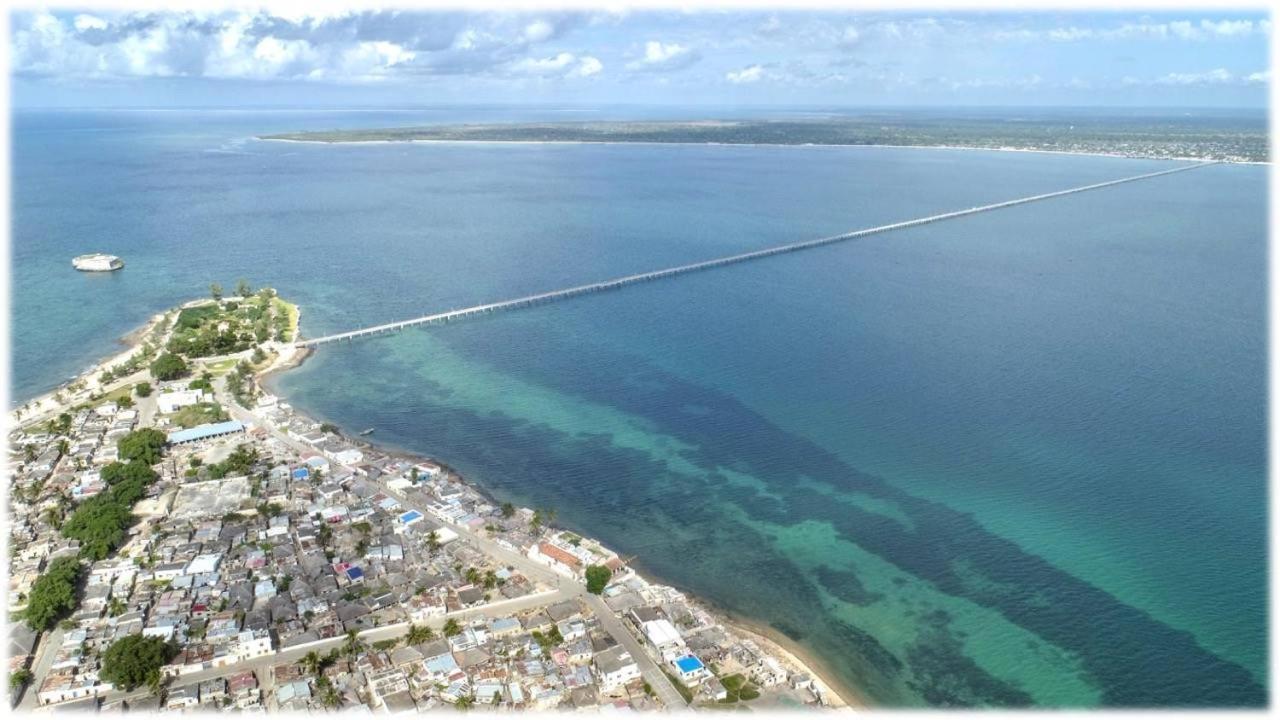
(1014, 458)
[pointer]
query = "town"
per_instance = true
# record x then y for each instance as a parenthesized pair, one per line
(182, 538)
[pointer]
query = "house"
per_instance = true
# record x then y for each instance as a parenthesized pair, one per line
(663, 637)
(690, 669)
(616, 668)
(170, 402)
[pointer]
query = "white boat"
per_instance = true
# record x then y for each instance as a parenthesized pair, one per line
(97, 262)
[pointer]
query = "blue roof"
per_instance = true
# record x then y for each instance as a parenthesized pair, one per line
(301, 473)
(355, 573)
(410, 516)
(201, 432)
(689, 663)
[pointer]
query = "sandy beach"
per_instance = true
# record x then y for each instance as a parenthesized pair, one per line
(778, 145)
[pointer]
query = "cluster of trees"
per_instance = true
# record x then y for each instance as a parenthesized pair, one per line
(135, 660)
(239, 462)
(145, 445)
(53, 595)
(169, 367)
(142, 389)
(130, 366)
(99, 523)
(240, 384)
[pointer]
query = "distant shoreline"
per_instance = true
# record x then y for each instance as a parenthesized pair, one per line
(459, 141)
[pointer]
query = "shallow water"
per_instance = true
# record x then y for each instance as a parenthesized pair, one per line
(1012, 458)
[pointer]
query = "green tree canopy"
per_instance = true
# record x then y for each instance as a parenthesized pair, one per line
(134, 660)
(144, 445)
(169, 367)
(142, 389)
(597, 578)
(53, 594)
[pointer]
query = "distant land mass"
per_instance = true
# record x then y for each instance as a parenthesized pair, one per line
(1207, 137)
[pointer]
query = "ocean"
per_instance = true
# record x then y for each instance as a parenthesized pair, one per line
(1017, 458)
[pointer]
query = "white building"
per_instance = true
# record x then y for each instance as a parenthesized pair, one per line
(169, 402)
(616, 668)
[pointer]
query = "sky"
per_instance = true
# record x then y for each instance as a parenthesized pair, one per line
(98, 58)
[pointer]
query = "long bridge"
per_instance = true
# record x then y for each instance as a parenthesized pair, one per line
(554, 295)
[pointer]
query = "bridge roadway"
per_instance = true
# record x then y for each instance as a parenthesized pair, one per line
(615, 283)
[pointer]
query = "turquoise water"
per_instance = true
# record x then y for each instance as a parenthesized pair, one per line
(1016, 458)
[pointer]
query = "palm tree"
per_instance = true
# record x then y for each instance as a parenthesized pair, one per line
(418, 634)
(433, 541)
(451, 628)
(312, 662)
(353, 646)
(331, 698)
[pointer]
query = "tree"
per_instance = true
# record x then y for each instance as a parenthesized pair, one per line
(258, 356)
(418, 634)
(135, 660)
(353, 645)
(243, 289)
(53, 594)
(508, 510)
(597, 578)
(144, 445)
(169, 367)
(142, 389)
(20, 677)
(215, 291)
(330, 697)
(433, 541)
(312, 662)
(451, 627)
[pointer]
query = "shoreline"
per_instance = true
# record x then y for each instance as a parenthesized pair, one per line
(45, 402)
(1081, 153)
(841, 695)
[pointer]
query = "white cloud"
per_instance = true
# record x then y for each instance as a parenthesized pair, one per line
(1219, 76)
(587, 67)
(89, 22)
(746, 75)
(564, 64)
(538, 31)
(660, 56)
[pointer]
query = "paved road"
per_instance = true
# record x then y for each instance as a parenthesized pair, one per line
(50, 642)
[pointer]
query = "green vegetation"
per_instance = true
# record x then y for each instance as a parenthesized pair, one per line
(142, 389)
(135, 660)
(20, 677)
(738, 688)
(99, 523)
(1163, 135)
(597, 578)
(418, 634)
(239, 462)
(145, 445)
(451, 628)
(224, 327)
(169, 367)
(53, 595)
(199, 414)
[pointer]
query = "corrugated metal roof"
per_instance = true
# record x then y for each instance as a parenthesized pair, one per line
(201, 432)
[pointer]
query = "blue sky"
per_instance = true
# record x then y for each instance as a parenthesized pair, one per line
(708, 57)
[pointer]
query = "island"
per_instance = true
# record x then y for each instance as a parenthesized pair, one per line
(184, 539)
(1202, 137)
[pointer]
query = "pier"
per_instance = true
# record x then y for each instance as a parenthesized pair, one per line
(555, 295)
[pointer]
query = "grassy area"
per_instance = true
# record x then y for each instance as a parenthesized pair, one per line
(221, 367)
(738, 689)
(199, 414)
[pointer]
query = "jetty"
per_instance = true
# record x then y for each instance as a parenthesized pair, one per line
(616, 283)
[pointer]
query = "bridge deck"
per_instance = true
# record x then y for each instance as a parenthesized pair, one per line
(615, 283)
